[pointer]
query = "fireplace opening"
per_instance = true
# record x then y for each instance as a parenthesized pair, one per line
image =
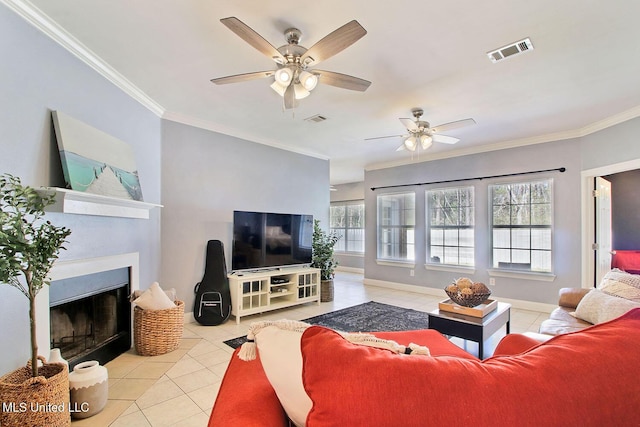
(90, 316)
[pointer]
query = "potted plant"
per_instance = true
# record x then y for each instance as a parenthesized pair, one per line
(322, 258)
(29, 246)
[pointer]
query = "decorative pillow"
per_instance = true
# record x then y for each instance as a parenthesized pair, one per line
(622, 284)
(358, 386)
(598, 306)
(281, 360)
(278, 344)
(154, 298)
(171, 293)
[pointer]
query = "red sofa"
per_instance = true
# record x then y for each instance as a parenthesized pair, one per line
(582, 378)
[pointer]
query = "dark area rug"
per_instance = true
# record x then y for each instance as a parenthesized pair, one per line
(368, 317)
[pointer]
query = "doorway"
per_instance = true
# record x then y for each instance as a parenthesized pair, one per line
(589, 268)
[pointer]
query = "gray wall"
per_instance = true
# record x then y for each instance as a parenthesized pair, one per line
(206, 176)
(566, 187)
(347, 192)
(37, 76)
(616, 144)
(625, 210)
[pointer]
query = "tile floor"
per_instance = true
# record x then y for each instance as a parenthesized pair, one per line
(179, 388)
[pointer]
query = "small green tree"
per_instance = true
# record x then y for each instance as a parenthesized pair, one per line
(28, 245)
(322, 258)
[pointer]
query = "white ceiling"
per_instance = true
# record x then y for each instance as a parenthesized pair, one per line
(583, 73)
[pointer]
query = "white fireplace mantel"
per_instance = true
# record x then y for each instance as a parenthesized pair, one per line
(79, 202)
(80, 267)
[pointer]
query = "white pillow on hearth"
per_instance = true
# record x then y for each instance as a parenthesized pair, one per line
(154, 298)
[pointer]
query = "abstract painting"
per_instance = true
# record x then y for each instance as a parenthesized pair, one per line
(95, 162)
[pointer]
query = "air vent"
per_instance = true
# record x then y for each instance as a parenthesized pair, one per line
(510, 50)
(316, 119)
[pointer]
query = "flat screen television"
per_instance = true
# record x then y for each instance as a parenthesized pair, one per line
(270, 240)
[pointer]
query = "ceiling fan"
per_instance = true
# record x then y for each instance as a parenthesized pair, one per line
(293, 79)
(422, 132)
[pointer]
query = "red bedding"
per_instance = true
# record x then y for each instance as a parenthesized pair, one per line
(628, 261)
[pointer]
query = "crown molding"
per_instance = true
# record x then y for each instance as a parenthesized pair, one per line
(247, 136)
(49, 27)
(557, 136)
(611, 121)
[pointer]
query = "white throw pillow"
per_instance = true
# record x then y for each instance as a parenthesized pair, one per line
(622, 284)
(154, 298)
(281, 359)
(598, 307)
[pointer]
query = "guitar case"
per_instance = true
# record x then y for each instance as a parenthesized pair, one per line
(213, 296)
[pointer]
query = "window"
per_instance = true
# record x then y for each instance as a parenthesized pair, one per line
(521, 225)
(450, 238)
(347, 220)
(396, 227)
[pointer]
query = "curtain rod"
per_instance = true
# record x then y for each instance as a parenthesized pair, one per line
(480, 178)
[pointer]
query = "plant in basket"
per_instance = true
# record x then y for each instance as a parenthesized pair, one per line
(322, 258)
(29, 246)
(467, 293)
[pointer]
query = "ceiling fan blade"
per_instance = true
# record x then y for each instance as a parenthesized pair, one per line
(247, 34)
(343, 81)
(444, 139)
(410, 125)
(453, 125)
(242, 77)
(401, 148)
(334, 43)
(384, 137)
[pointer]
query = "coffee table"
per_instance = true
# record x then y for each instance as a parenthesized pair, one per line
(471, 328)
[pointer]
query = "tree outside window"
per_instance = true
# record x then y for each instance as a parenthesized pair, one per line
(396, 227)
(347, 221)
(450, 219)
(522, 223)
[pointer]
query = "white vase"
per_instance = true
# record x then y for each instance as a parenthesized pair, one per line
(89, 387)
(56, 357)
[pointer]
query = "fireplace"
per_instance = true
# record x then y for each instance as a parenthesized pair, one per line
(72, 312)
(90, 316)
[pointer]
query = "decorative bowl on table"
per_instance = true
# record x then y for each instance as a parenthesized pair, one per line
(467, 293)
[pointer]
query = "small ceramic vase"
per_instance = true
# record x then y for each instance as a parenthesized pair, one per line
(56, 357)
(89, 386)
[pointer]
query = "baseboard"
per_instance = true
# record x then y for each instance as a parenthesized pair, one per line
(350, 270)
(520, 304)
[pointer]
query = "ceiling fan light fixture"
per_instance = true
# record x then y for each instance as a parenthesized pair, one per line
(308, 80)
(284, 76)
(426, 141)
(300, 91)
(410, 143)
(276, 86)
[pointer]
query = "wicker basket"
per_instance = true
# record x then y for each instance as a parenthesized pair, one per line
(157, 332)
(39, 401)
(326, 290)
(468, 300)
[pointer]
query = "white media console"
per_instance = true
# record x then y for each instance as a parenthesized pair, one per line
(261, 291)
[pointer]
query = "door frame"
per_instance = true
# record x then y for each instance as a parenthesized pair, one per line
(589, 214)
(603, 228)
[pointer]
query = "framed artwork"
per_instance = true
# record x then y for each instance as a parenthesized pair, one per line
(95, 162)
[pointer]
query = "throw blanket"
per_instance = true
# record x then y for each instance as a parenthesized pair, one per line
(248, 349)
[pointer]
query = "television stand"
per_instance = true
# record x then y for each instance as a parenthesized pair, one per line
(255, 292)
